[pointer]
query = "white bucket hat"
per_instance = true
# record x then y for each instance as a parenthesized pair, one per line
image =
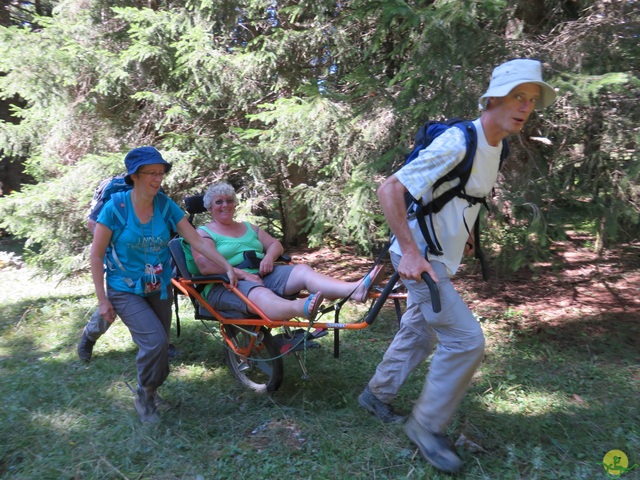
(509, 75)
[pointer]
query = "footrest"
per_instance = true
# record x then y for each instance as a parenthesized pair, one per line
(300, 340)
(317, 333)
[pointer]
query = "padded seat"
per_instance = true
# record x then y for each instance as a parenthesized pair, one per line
(181, 271)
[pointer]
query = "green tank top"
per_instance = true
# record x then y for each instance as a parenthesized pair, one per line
(230, 248)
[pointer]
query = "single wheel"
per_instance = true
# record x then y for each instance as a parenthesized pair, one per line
(263, 369)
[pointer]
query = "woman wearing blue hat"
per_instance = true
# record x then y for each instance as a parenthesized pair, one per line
(131, 238)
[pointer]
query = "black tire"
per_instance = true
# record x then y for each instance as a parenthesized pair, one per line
(262, 371)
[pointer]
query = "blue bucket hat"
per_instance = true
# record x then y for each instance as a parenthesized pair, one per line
(143, 156)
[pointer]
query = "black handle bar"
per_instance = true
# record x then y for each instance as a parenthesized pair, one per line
(377, 306)
(483, 265)
(435, 292)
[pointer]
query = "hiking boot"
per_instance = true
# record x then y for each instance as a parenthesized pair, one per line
(85, 347)
(383, 411)
(145, 404)
(434, 447)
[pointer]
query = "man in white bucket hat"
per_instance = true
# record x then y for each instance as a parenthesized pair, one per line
(509, 75)
(515, 90)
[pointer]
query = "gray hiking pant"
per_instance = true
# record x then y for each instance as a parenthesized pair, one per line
(96, 327)
(149, 321)
(457, 356)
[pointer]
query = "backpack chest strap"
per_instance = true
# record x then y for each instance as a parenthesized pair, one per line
(437, 204)
(424, 212)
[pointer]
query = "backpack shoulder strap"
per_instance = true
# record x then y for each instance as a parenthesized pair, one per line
(505, 152)
(463, 169)
(119, 201)
(164, 203)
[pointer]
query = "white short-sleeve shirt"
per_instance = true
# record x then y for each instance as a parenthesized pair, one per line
(438, 159)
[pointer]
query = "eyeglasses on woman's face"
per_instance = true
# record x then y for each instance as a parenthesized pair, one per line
(224, 201)
(152, 173)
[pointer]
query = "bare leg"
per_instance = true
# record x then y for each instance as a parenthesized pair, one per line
(303, 277)
(278, 308)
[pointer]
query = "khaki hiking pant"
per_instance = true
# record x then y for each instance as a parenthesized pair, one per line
(459, 351)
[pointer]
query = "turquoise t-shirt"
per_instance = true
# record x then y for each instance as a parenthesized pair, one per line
(141, 262)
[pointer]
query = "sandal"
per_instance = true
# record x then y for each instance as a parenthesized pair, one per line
(311, 315)
(374, 277)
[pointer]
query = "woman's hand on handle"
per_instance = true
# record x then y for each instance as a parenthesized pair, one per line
(233, 278)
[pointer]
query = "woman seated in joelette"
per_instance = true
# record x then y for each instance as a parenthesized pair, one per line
(264, 283)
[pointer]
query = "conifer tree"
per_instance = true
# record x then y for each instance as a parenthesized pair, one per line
(305, 106)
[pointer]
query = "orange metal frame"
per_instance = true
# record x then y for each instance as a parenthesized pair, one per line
(188, 288)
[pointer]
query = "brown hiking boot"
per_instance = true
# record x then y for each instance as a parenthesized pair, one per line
(434, 447)
(145, 404)
(85, 347)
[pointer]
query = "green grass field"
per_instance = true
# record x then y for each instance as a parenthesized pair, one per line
(547, 403)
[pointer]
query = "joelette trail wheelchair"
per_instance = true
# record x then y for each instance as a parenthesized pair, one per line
(253, 354)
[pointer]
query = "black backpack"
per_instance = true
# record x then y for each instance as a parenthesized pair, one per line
(423, 138)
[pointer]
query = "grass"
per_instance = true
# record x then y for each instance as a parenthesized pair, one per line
(547, 403)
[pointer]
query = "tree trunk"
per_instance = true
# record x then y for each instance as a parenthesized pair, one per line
(293, 213)
(5, 17)
(532, 13)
